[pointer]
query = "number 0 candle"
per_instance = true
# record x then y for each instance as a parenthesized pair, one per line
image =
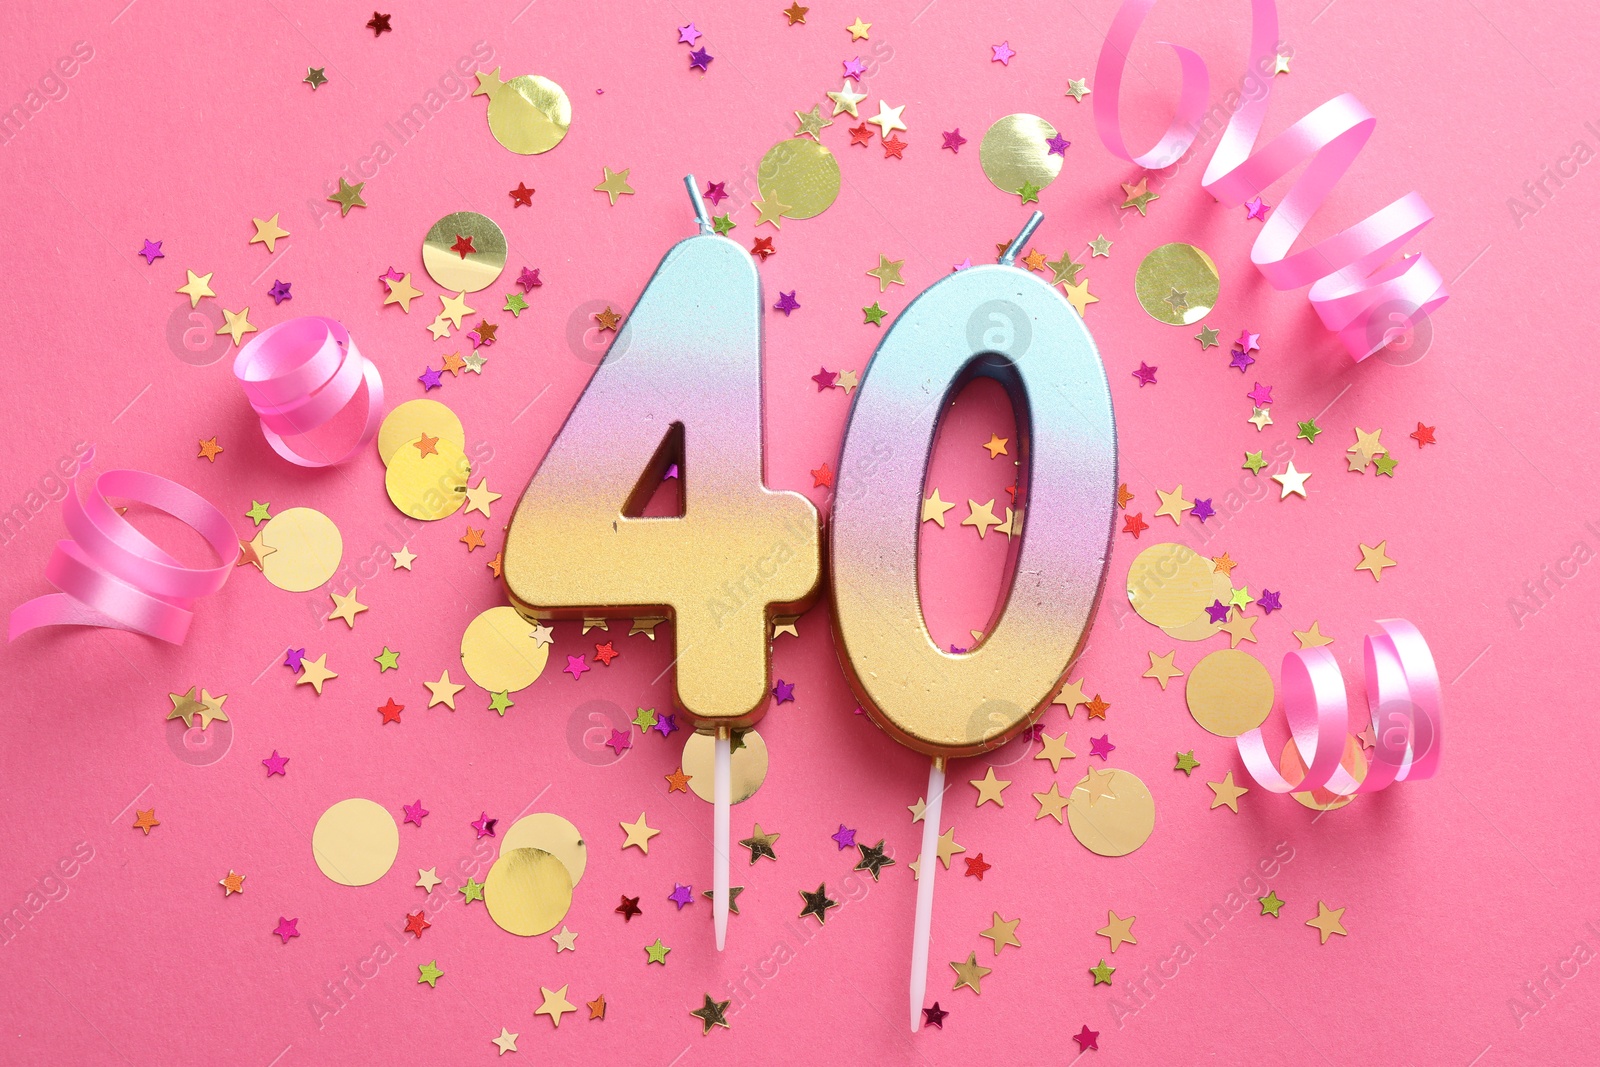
(998, 322)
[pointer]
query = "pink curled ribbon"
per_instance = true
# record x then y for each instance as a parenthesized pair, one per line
(111, 575)
(1358, 288)
(298, 376)
(1402, 694)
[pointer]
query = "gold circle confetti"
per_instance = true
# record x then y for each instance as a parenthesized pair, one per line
(1202, 627)
(749, 765)
(414, 418)
(550, 833)
(527, 891)
(1111, 812)
(1229, 692)
(355, 842)
(500, 654)
(430, 486)
(464, 251)
(529, 114)
(801, 175)
(305, 549)
(1354, 761)
(1170, 584)
(1015, 151)
(1177, 284)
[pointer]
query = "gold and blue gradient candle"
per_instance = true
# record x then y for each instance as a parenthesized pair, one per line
(684, 374)
(1003, 323)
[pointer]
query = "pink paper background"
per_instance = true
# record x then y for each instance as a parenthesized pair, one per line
(189, 119)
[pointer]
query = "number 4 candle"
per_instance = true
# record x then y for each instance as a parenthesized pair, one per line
(1003, 323)
(683, 376)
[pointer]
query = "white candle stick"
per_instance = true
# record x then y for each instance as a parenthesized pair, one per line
(722, 794)
(927, 864)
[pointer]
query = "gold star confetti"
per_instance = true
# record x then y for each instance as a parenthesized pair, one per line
(887, 272)
(315, 76)
(1291, 481)
(917, 809)
(1080, 297)
(268, 233)
(639, 834)
(402, 292)
(479, 497)
(990, 788)
(566, 940)
(888, 118)
(1241, 627)
(1002, 932)
(980, 515)
(769, 210)
(845, 100)
(1375, 559)
(314, 672)
(1100, 247)
(1227, 793)
(785, 624)
(443, 692)
(198, 285)
(1118, 930)
(346, 607)
(1328, 922)
(1207, 338)
(1055, 750)
(403, 559)
(1070, 697)
(555, 1004)
(969, 974)
(506, 1042)
(948, 847)
(811, 123)
(847, 381)
(713, 1013)
(427, 879)
(455, 308)
(1173, 505)
(1078, 88)
(1051, 803)
(1260, 418)
(1064, 271)
(613, 184)
(237, 325)
(760, 844)
(645, 624)
(1312, 638)
(858, 29)
(185, 707)
(1280, 64)
(1162, 669)
(348, 196)
(1138, 195)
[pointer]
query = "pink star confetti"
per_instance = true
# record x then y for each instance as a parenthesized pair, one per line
(484, 825)
(275, 764)
(1002, 53)
(1256, 209)
(953, 140)
(1146, 374)
(576, 666)
(286, 929)
(415, 812)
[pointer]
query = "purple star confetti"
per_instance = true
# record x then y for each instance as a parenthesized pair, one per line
(1203, 509)
(292, 660)
(1058, 145)
(429, 379)
(1268, 602)
(854, 68)
(784, 692)
(1241, 359)
(701, 58)
(151, 251)
(279, 292)
(1218, 611)
(689, 35)
(1256, 209)
(786, 302)
(845, 838)
(681, 895)
(953, 140)
(666, 724)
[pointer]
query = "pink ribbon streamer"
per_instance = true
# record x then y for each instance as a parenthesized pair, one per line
(111, 575)
(299, 375)
(1402, 695)
(1358, 287)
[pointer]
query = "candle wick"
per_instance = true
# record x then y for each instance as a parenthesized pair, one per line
(700, 212)
(1010, 254)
